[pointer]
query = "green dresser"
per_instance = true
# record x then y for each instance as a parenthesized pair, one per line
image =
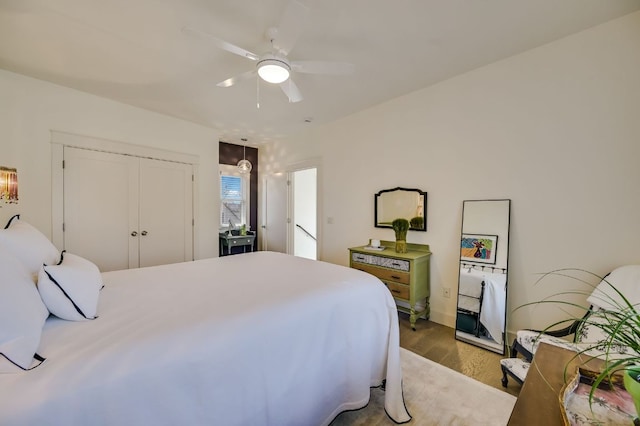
(406, 275)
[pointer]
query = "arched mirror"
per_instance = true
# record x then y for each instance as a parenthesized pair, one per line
(482, 283)
(410, 204)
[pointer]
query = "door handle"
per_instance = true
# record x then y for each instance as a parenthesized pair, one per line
(144, 233)
(134, 234)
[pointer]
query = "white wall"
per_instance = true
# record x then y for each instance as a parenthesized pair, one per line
(555, 129)
(305, 213)
(30, 109)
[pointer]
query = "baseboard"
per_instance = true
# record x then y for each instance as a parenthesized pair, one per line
(443, 319)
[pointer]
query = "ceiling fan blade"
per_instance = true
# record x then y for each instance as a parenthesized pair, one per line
(221, 43)
(320, 67)
(291, 90)
(233, 80)
(291, 23)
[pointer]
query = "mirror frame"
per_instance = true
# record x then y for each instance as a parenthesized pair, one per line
(499, 265)
(377, 198)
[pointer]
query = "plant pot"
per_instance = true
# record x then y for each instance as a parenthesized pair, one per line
(632, 385)
(401, 246)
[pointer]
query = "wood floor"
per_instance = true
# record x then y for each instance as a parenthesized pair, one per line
(437, 343)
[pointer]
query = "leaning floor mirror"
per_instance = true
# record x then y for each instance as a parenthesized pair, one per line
(482, 284)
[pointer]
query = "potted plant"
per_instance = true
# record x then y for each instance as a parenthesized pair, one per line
(616, 320)
(401, 226)
(417, 222)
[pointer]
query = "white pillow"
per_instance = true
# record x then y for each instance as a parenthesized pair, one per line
(71, 288)
(22, 315)
(626, 279)
(29, 245)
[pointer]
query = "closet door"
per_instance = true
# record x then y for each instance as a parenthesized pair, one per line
(166, 212)
(100, 207)
(125, 212)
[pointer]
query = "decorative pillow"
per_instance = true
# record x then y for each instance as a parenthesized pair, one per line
(625, 279)
(22, 315)
(29, 245)
(70, 289)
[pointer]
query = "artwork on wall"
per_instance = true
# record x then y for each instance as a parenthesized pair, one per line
(479, 248)
(8, 185)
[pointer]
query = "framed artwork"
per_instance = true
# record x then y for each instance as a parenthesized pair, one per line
(479, 248)
(8, 185)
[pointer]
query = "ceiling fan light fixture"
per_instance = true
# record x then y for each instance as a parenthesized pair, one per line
(273, 70)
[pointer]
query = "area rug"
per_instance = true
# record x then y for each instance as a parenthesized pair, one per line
(436, 395)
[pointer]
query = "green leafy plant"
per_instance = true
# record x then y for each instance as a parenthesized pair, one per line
(400, 226)
(619, 325)
(417, 222)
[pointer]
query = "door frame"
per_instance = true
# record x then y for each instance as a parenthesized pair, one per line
(61, 139)
(315, 162)
(298, 240)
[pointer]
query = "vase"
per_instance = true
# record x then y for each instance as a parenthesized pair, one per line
(632, 385)
(401, 246)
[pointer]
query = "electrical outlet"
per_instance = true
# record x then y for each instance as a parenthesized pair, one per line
(446, 292)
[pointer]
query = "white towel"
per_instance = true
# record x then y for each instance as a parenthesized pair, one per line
(493, 305)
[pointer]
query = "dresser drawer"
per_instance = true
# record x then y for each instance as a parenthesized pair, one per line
(241, 241)
(386, 262)
(385, 274)
(398, 290)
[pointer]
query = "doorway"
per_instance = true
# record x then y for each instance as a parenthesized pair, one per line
(290, 212)
(304, 200)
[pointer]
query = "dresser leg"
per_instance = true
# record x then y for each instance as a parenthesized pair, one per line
(413, 317)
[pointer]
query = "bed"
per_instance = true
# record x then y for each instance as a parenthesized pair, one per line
(482, 296)
(257, 339)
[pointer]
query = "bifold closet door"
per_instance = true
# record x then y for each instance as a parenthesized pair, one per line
(166, 212)
(100, 207)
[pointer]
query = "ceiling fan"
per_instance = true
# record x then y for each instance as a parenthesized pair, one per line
(274, 66)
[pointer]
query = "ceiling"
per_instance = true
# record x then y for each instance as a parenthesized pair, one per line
(136, 51)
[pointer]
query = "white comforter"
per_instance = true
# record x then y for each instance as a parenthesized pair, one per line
(256, 339)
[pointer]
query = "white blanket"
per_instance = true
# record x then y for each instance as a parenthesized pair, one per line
(255, 339)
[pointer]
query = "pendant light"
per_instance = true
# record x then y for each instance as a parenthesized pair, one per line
(244, 165)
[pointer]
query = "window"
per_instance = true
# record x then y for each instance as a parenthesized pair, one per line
(234, 197)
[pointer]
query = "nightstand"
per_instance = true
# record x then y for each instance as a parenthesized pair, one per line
(230, 241)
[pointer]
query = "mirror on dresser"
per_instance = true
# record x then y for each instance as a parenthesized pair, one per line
(410, 204)
(483, 272)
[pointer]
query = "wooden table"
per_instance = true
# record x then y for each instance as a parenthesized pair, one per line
(539, 401)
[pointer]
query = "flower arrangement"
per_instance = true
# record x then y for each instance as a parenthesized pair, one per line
(400, 226)
(417, 222)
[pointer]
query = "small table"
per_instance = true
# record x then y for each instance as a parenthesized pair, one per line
(539, 399)
(230, 241)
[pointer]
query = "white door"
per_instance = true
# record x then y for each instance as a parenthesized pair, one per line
(275, 217)
(166, 212)
(100, 207)
(125, 212)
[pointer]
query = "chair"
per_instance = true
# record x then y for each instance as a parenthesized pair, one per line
(526, 343)
(626, 279)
